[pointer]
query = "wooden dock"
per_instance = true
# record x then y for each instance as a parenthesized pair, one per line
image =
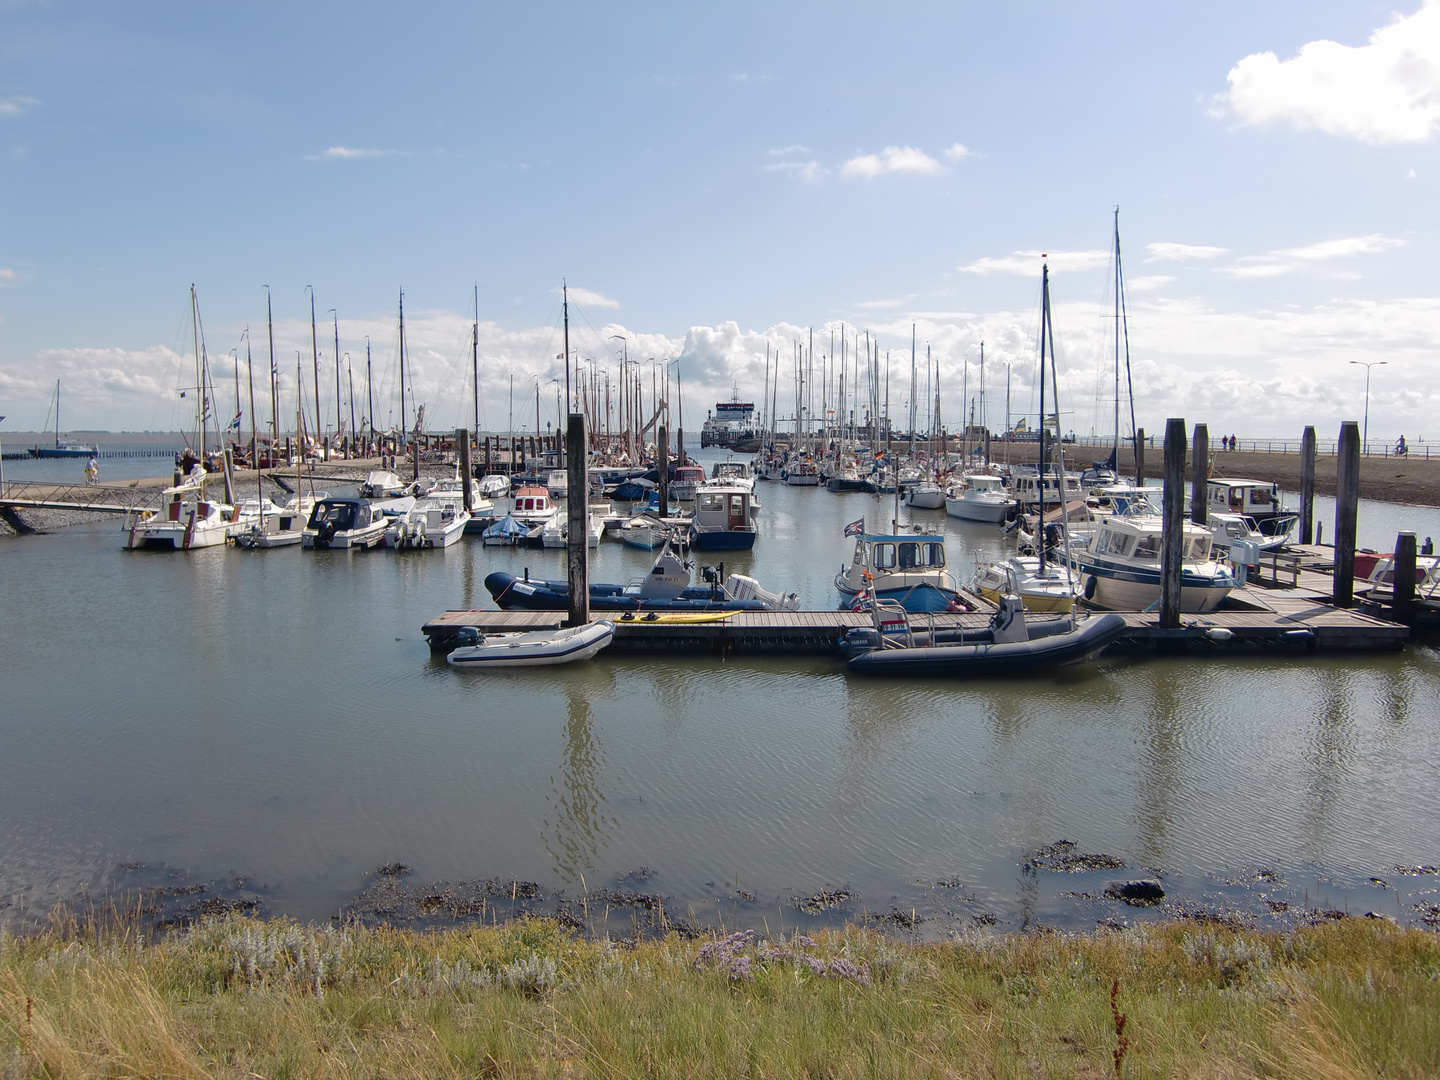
(1255, 620)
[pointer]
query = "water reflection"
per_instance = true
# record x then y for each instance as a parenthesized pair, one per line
(1160, 768)
(1328, 758)
(575, 828)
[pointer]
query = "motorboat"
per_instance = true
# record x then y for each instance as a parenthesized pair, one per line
(507, 532)
(644, 531)
(1045, 490)
(345, 523)
(495, 485)
(1055, 589)
(532, 506)
(1010, 646)
(557, 484)
(1228, 528)
(907, 567)
(684, 479)
(382, 484)
(277, 526)
(1121, 566)
(925, 495)
(667, 587)
(1253, 498)
(435, 521)
(731, 471)
(186, 520)
(980, 497)
(454, 487)
(536, 648)
(725, 517)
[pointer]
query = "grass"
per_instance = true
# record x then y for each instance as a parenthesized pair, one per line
(240, 997)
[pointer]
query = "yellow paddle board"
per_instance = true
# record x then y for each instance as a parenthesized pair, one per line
(657, 618)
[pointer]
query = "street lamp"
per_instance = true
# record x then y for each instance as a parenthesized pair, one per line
(1365, 436)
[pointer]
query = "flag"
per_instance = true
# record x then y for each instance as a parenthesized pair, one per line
(855, 528)
(1020, 425)
(235, 424)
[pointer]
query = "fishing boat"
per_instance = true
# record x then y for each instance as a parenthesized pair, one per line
(63, 448)
(344, 523)
(667, 587)
(725, 514)
(980, 497)
(1121, 566)
(537, 648)
(1053, 589)
(507, 532)
(532, 506)
(905, 567)
(1010, 646)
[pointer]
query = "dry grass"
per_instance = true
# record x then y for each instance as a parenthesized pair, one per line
(240, 997)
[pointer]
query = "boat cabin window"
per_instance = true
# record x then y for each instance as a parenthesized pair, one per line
(341, 515)
(1148, 547)
(1260, 497)
(714, 501)
(1199, 549)
(1114, 543)
(882, 557)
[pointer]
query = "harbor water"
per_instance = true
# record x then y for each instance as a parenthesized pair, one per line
(277, 716)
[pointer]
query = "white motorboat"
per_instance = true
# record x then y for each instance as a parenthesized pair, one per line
(278, 526)
(555, 532)
(1255, 499)
(435, 521)
(925, 495)
(1056, 589)
(645, 531)
(538, 648)
(495, 485)
(557, 484)
(909, 567)
(1031, 489)
(454, 487)
(1228, 528)
(345, 524)
(1120, 566)
(532, 506)
(684, 479)
(980, 497)
(382, 484)
(507, 532)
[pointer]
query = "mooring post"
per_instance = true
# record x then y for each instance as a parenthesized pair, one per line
(462, 440)
(1199, 473)
(1173, 528)
(415, 459)
(1403, 578)
(1347, 506)
(1307, 486)
(662, 469)
(1139, 457)
(229, 477)
(577, 503)
(680, 445)
(488, 470)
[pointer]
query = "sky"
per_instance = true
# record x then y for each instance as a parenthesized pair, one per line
(715, 182)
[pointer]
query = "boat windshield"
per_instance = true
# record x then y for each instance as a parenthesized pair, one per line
(340, 515)
(908, 555)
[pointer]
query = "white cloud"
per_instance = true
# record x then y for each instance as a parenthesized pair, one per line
(349, 153)
(1289, 260)
(1149, 282)
(785, 151)
(1028, 262)
(17, 105)
(893, 159)
(1182, 252)
(1386, 91)
(810, 171)
(956, 152)
(9, 275)
(587, 298)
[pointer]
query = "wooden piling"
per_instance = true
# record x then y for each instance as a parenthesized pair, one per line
(1347, 506)
(1140, 457)
(415, 460)
(229, 477)
(488, 469)
(1403, 578)
(1200, 474)
(577, 504)
(662, 469)
(1307, 486)
(462, 443)
(1173, 516)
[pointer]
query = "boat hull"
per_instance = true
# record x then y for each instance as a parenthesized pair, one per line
(987, 659)
(722, 539)
(977, 510)
(512, 593)
(538, 649)
(1138, 590)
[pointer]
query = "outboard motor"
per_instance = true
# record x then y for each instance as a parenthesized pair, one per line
(1008, 623)
(466, 636)
(860, 640)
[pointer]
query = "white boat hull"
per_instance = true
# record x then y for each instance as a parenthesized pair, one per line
(370, 536)
(986, 510)
(540, 648)
(925, 497)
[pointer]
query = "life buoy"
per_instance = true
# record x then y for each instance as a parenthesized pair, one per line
(1090, 587)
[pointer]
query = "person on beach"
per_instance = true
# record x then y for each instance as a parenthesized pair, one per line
(91, 470)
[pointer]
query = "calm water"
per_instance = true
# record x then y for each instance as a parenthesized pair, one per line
(279, 715)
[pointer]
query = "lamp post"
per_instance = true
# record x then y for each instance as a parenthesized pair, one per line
(1365, 432)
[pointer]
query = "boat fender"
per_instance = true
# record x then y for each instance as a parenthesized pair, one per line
(1219, 633)
(1090, 587)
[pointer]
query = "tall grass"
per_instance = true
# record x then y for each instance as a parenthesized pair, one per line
(239, 997)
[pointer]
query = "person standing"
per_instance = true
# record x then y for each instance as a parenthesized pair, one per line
(92, 470)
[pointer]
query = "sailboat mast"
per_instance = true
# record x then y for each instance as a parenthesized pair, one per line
(984, 431)
(315, 359)
(250, 375)
(1040, 486)
(475, 358)
(201, 405)
(369, 389)
(274, 396)
(338, 419)
(350, 380)
(565, 308)
(402, 368)
(57, 411)
(1115, 455)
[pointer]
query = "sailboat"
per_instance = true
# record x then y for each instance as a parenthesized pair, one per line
(188, 519)
(67, 448)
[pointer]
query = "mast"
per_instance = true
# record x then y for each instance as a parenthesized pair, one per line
(912, 388)
(565, 307)
(402, 368)
(939, 432)
(338, 419)
(350, 379)
(1123, 329)
(274, 395)
(315, 357)
(202, 406)
(250, 375)
(369, 389)
(57, 408)
(1040, 487)
(475, 358)
(984, 431)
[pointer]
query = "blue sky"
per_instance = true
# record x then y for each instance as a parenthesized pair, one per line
(715, 181)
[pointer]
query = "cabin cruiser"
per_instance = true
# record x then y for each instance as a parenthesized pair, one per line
(435, 521)
(980, 497)
(277, 526)
(1120, 566)
(1033, 489)
(684, 479)
(909, 567)
(1255, 499)
(344, 523)
(454, 487)
(1228, 528)
(557, 484)
(731, 471)
(382, 484)
(532, 506)
(187, 519)
(725, 517)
